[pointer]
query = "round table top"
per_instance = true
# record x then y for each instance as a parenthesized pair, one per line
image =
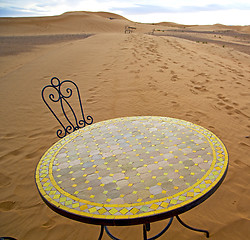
(131, 170)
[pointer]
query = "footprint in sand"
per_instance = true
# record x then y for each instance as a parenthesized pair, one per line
(135, 71)
(175, 104)
(49, 224)
(229, 107)
(93, 89)
(35, 153)
(201, 88)
(245, 94)
(9, 136)
(99, 74)
(4, 180)
(16, 152)
(192, 91)
(162, 68)
(174, 76)
(91, 100)
(223, 98)
(221, 103)
(152, 86)
(151, 83)
(7, 205)
(35, 134)
(165, 94)
(196, 114)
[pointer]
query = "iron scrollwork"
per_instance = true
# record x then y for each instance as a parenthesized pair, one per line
(61, 95)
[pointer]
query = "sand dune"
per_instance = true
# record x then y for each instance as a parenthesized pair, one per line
(118, 75)
(70, 22)
(208, 27)
(225, 38)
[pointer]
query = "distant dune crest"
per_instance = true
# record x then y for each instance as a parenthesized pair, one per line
(101, 14)
(86, 22)
(69, 22)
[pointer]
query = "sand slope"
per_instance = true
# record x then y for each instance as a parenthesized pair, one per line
(70, 22)
(208, 27)
(124, 75)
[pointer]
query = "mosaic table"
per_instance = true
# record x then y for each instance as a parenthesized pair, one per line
(131, 170)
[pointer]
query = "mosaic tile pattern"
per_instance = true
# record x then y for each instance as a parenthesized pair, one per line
(131, 167)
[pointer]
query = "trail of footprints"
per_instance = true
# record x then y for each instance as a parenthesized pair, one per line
(138, 52)
(144, 52)
(231, 107)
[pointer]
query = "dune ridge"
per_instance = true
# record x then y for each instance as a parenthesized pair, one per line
(70, 22)
(245, 28)
(119, 75)
(90, 22)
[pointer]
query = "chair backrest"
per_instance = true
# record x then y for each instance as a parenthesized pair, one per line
(59, 96)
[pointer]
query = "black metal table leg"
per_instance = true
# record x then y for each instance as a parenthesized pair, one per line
(191, 228)
(109, 233)
(146, 228)
(145, 237)
(101, 232)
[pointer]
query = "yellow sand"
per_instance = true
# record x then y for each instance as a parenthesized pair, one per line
(121, 75)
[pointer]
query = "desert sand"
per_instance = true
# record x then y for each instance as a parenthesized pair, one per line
(196, 73)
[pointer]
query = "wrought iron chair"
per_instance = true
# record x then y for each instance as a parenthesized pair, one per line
(60, 93)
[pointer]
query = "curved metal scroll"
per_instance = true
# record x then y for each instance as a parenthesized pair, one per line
(61, 95)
